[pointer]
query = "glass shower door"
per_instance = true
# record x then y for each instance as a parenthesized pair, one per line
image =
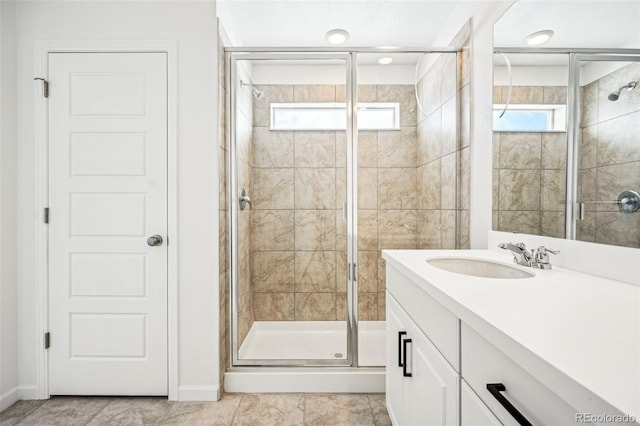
(290, 134)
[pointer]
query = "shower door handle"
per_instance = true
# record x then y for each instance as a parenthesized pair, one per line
(400, 334)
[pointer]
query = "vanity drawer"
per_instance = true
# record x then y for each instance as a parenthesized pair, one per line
(433, 319)
(483, 363)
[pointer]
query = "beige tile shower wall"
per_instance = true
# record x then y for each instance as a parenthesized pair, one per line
(609, 158)
(529, 170)
(299, 232)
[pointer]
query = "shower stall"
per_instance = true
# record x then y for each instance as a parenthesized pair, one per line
(331, 158)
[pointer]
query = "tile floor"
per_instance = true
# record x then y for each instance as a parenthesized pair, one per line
(233, 409)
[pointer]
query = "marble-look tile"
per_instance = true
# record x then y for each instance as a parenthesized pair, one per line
(449, 127)
(367, 149)
(381, 307)
(273, 271)
(406, 96)
(464, 112)
(463, 218)
(586, 228)
(588, 149)
(448, 182)
(341, 230)
(448, 225)
(272, 230)
(495, 160)
(132, 411)
(589, 104)
(464, 178)
(366, 93)
(525, 94)
(587, 187)
(519, 190)
(494, 220)
(368, 229)
(618, 228)
(429, 140)
(16, 412)
(397, 229)
(397, 148)
(520, 150)
(65, 411)
(341, 306)
(273, 306)
(431, 88)
(272, 94)
(497, 95)
(341, 149)
(315, 149)
(272, 189)
(554, 95)
(367, 271)
(379, 409)
(554, 150)
(244, 138)
(314, 93)
(315, 306)
(341, 187)
(619, 140)
(315, 188)
(341, 271)
(612, 180)
(397, 188)
(382, 274)
(523, 222)
(367, 306)
(338, 409)
(552, 224)
(628, 101)
(428, 185)
(429, 229)
(272, 149)
(449, 75)
(203, 413)
(245, 176)
(223, 188)
(315, 230)
(553, 190)
(315, 271)
(270, 409)
(495, 192)
(367, 188)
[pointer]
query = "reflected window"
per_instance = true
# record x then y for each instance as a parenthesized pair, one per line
(332, 116)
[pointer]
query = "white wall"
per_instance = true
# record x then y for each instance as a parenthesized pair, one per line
(193, 25)
(8, 145)
(483, 14)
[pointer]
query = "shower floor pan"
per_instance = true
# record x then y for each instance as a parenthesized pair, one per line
(270, 340)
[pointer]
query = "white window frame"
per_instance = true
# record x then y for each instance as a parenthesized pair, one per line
(362, 106)
(556, 113)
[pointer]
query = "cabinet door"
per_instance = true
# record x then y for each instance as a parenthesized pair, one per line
(397, 400)
(474, 412)
(434, 384)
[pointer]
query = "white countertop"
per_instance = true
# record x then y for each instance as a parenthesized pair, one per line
(586, 327)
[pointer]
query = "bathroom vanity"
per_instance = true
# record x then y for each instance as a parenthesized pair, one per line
(543, 347)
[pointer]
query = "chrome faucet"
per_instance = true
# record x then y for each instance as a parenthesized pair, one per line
(539, 258)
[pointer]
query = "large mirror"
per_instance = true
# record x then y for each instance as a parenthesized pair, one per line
(566, 139)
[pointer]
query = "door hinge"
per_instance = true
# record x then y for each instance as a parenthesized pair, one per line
(45, 215)
(47, 340)
(45, 86)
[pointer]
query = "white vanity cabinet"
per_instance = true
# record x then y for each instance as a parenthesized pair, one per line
(422, 387)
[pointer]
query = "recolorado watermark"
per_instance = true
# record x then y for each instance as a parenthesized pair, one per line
(604, 418)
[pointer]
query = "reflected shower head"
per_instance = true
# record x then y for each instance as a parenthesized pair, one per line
(258, 94)
(614, 96)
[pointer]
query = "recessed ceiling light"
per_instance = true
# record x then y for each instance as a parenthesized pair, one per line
(337, 36)
(386, 60)
(538, 37)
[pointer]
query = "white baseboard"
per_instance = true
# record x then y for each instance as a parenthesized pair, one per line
(8, 398)
(28, 392)
(198, 393)
(320, 380)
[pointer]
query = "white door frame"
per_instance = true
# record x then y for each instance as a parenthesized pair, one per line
(41, 140)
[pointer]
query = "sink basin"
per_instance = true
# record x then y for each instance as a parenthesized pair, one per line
(479, 268)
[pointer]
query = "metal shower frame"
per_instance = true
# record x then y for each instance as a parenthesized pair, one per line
(349, 55)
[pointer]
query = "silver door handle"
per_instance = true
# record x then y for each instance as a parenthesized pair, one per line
(244, 200)
(154, 240)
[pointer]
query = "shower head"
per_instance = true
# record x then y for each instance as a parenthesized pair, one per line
(614, 96)
(258, 94)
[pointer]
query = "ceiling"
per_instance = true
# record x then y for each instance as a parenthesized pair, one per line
(304, 23)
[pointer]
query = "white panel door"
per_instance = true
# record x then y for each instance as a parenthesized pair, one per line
(107, 195)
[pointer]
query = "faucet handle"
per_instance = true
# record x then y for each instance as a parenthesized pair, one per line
(543, 249)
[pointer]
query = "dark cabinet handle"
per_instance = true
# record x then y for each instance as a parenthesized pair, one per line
(495, 389)
(400, 334)
(405, 342)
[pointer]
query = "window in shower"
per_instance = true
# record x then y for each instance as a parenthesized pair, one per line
(332, 116)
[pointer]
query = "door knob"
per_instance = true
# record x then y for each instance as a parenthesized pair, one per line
(154, 240)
